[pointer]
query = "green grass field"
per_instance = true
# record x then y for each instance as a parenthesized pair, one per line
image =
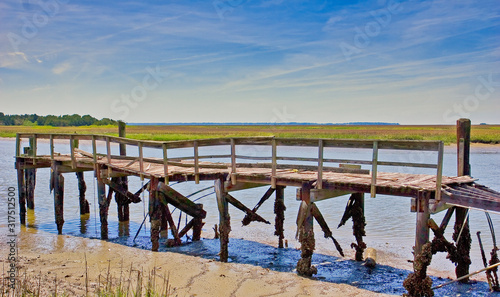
(479, 134)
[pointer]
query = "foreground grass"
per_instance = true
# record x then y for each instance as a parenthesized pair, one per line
(479, 134)
(133, 283)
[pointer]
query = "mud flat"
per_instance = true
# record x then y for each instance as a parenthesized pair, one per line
(63, 261)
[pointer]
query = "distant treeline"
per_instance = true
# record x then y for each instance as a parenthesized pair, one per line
(52, 120)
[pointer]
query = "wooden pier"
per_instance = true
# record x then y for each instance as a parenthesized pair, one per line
(316, 178)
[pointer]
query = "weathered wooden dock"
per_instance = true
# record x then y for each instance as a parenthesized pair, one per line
(316, 178)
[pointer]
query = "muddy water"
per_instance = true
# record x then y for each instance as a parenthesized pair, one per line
(390, 225)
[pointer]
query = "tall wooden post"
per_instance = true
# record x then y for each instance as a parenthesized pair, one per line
(358, 224)
(30, 176)
(21, 189)
(121, 200)
(463, 147)
(103, 204)
(423, 216)
(154, 213)
(306, 233)
(461, 224)
(30, 187)
(279, 211)
(58, 188)
(82, 188)
(224, 219)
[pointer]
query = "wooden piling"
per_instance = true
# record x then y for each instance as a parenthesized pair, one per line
(154, 214)
(224, 219)
(422, 230)
(21, 189)
(163, 221)
(197, 226)
(358, 224)
(461, 224)
(306, 235)
(30, 187)
(30, 177)
(103, 204)
(279, 211)
(82, 188)
(121, 201)
(58, 188)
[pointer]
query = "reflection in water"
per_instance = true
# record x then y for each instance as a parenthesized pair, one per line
(84, 219)
(60, 242)
(123, 229)
(31, 225)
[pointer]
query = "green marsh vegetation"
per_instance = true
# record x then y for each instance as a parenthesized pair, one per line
(489, 134)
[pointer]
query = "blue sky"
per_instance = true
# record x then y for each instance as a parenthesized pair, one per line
(412, 62)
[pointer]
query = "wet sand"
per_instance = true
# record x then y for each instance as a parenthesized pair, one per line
(61, 259)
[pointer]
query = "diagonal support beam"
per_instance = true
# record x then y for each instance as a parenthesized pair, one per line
(171, 223)
(247, 219)
(186, 228)
(249, 213)
(169, 195)
(142, 189)
(324, 226)
(134, 198)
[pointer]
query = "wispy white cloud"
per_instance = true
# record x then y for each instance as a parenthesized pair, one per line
(61, 68)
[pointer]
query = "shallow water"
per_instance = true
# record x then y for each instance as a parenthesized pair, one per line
(390, 224)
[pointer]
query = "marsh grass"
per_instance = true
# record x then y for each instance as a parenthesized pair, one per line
(446, 133)
(137, 284)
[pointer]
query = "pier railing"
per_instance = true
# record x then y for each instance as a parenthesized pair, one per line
(273, 160)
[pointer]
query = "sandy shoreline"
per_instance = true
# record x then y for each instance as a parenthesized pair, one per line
(61, 258)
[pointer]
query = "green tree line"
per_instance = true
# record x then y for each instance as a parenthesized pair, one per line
(52, 120)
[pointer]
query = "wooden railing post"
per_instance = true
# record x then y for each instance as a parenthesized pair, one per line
(108, 153)
(233, 162)
(274, 165)
(196, 169)
(141, 161)
(122, 133)
(33, 145)
(439, 176)
(51, 147)
(165, 162)
(108, 149)
(94, 149)
(72, 151)
(18, 145)
(463, 145)
(373, 189)
(320, 165)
